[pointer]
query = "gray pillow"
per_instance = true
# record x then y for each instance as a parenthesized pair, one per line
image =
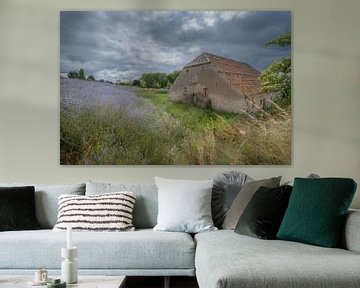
(226, 187)
(310, 176)
(46, 200)
(146, 204)
(184, 205)
(243, 198)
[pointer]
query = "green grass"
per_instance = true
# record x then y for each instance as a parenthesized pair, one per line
(193, 117)
(173, 133)
(107, 135)
(214, 137)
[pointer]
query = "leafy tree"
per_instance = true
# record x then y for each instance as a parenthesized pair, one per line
(154, 80)
(277, 76)
(172, 76)
(283, 40)
(90, 78)
(163, 80)
(136, 82)
(82, 74)
(73, 74)
(79, 75)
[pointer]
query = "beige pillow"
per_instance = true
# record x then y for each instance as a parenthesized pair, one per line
(243, 198)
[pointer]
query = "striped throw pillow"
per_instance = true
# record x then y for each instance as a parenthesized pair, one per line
(105, 212)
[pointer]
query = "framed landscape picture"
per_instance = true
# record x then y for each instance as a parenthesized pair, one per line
(175, 88)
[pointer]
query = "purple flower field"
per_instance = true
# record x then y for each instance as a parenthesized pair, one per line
(77, 94)
(104, 124)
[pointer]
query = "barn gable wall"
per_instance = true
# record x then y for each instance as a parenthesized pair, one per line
(203, 85)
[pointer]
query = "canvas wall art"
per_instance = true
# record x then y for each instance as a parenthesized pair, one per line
(175, 88)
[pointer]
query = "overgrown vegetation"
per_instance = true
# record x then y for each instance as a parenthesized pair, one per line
(214, 137)
(173, 133)
(277, 76)
(110, 135)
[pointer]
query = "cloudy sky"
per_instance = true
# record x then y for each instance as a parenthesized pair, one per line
(123, 45)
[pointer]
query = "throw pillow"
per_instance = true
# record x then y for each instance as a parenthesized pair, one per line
(146, 205)
(226, 187)
(312, 176)
(263, 215)
(17, 209)
(46, 200)
(184, 205)
(106, 212)
(317, 209)
(243, 198)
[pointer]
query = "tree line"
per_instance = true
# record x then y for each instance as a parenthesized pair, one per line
(147, 80)
(80, 75)
(155, 80)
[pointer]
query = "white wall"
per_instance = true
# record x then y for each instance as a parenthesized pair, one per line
(326, 91)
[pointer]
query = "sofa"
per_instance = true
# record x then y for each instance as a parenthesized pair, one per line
(218, 259)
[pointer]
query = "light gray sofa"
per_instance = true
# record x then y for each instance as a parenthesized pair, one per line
(220, 259)
(226, 259)
(143, 252)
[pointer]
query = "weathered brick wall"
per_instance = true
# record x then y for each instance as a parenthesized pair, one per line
(204, 85)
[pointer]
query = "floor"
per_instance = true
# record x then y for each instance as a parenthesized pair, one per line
(158, 282)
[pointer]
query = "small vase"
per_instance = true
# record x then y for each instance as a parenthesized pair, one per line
(69, 271)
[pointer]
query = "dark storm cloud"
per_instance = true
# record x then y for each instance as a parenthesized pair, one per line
(123, 45)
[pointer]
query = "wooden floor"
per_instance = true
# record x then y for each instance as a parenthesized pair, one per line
(158, 282)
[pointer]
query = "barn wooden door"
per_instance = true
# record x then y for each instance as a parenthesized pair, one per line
(205, 90)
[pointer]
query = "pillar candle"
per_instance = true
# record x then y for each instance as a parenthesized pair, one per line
(69, 237)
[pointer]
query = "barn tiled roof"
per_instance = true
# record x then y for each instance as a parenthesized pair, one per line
(201, 59)
(242, 76)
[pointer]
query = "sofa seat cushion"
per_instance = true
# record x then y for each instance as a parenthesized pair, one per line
(226, 259)
(142, 249)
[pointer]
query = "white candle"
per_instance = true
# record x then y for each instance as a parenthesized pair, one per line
(69, 239)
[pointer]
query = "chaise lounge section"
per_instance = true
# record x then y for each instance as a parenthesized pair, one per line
(225, 259)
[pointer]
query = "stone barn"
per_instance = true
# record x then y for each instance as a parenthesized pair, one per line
(223, 84)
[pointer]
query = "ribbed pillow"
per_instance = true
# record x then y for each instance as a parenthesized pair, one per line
(225, 189)
(317, 210)
(105, 212)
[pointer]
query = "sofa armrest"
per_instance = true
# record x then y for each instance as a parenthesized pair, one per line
(351, 234)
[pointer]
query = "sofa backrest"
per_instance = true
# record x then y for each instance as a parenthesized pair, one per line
(146, 203)
(46, 200)
(351, 237)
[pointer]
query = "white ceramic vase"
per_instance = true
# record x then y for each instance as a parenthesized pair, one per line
(69, 270)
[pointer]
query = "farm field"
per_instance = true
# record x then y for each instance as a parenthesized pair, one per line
(107, 124)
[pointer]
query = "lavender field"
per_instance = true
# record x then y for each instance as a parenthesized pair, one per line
(106, 124)
(78, 94)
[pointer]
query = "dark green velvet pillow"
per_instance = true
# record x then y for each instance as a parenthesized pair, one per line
(17, 208)
(316, 211)
(263, 214)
